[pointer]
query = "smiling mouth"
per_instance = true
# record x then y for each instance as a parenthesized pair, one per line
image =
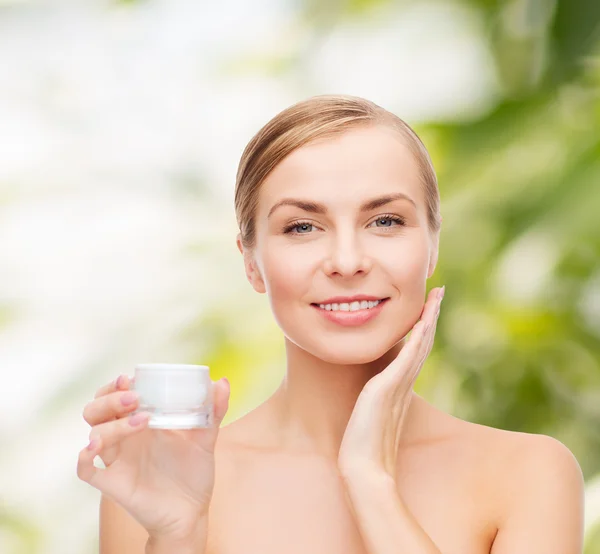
(356, 306)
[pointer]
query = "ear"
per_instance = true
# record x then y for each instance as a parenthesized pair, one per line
(251, 267)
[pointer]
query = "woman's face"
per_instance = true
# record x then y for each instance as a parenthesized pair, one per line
(385, 251)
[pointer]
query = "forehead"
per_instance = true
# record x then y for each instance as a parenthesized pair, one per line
(357, 164)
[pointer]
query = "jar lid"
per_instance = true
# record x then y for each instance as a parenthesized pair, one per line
(169, 367)
(172, 386)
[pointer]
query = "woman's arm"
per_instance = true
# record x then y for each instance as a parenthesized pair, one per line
(119, 532)
(122, 534)
(385, 523)
(193, 545)
(544, 503)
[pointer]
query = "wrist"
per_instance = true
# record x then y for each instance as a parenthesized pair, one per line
(358, 468)
(168, 546)
(194, 543)
(367, 476)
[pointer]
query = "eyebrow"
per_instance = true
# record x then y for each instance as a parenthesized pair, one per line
(316, 208)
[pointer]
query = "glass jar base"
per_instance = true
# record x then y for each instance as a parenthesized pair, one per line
(188, 420)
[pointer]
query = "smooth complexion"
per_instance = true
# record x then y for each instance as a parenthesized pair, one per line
(341, 239)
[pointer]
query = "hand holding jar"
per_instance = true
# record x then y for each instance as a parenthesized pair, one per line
(164, 477)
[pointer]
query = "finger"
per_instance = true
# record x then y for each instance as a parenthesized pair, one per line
(430, 306)
(433, 329)
(428, 342)
(122, 382)
(403, 371)
(419, 344)
(434, 317)
(222, 391)
(86, 471)
(105, 480)
(431, 299)
(206, 438)
(110, 407)
(394, 375)
(111, 433)
(424, 350)
(427, 315)
(429, 335)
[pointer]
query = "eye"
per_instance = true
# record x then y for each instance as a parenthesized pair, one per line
(390, 217)
(295, 225)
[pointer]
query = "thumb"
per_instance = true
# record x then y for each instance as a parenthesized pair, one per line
(221, 393)
(207, 437)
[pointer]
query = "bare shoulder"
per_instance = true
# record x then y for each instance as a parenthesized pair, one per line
(534, 486)
(511, 456)
(520, 456)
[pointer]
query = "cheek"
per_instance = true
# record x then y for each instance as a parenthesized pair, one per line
(407, 270)
(407, 265)
(287, 274)
(288, 279)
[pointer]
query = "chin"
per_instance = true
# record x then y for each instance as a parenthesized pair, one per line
(359, 352)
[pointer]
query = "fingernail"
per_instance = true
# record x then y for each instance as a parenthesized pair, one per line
(120, 381)
(93, 444)
(128, 398)
(442, 292)
(136, 419)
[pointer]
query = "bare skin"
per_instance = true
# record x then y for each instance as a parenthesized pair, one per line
(267, 499)
(271, 500)
(278, 488)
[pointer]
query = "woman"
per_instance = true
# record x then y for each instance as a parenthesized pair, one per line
(338, 208)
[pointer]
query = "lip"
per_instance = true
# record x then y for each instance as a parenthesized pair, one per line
(349, 299)
(351, 319)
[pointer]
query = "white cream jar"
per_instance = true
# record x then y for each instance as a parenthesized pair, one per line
(179, 396)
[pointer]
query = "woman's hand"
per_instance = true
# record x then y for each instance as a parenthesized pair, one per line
(373, 433)
(163, 478)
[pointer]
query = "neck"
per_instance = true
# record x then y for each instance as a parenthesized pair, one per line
(311, 408)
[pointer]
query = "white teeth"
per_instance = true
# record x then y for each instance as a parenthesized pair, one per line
(353, 307)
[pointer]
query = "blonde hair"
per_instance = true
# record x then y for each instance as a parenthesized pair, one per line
(318, 117)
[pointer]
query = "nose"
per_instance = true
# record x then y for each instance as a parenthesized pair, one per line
(347, 257)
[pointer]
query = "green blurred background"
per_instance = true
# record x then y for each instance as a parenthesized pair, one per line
(121, 125)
